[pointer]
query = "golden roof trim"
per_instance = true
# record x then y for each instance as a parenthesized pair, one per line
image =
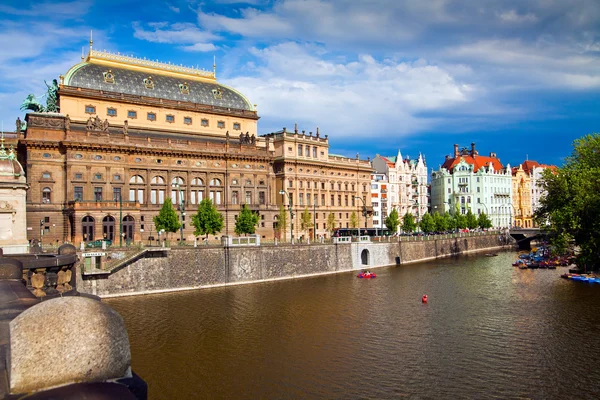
(156, 65)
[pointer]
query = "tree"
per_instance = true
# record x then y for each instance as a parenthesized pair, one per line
(331, 222)
(305, 220)
(450, 221)
(167, 218)
(471, 220)
(207, 221)
(282, 220)
(408, 222)
(392, 221)
(441, 225)
(246, 221)
(460, 220)
(354, 220)
(427, 223)
(483, 221)
(571, 205)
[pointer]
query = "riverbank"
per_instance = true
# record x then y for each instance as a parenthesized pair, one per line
(197, 268)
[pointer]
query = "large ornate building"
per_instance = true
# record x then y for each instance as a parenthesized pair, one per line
(521, 199)
(407, 183)
(132, 133)
(467, 181)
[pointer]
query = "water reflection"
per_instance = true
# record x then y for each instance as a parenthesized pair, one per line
(488, 331)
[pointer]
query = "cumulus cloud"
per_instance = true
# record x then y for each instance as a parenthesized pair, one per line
(177, 33)
(360, 97)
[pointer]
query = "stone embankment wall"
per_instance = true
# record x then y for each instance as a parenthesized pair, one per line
(191, 268)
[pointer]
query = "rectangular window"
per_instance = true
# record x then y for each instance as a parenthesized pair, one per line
(234, 197)
(151, 117)
(261, 197)
(131, 194)
(323, 200)
(300, 184)
(78, 176)
(90, 109)
(353, 201)
(140, 196)
(316, 199)
(98, 194)
(161, 197)
(314, 152)
(111, 112)
(308, 199)
(131, 114)
(346, 200)
(248, 197)
(307, 151)
(339, 200)
(237, 126)
(291, 183)
(204, 122)
(170, 118)
(300, 147)
(221, 124)
(116, 193)
(332, 200)
(153, 196)
(301, 199)
(78, 193)
(187, 120)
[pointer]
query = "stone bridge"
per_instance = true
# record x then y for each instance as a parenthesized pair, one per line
(524, 236)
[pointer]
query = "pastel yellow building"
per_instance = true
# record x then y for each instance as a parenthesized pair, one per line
(521, 199)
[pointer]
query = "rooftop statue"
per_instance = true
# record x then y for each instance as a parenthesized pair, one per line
(32, 103)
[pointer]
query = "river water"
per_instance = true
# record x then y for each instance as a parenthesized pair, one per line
(488, 331)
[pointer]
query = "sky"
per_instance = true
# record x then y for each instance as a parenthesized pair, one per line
(520, 78)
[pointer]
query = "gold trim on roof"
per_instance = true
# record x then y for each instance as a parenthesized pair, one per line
(123, 59)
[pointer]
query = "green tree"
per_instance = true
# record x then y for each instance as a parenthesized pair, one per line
(450, 221)
(408, 222)
(427, 223)
(305, 220)
(282, 220)
(331, 222)
(207, 221)
(441, 225)
(167, 218)
(483, 221)
(392, 221)
(471, 220)
(571, 206)
(353, 220)
(246, 221)
(460, 220)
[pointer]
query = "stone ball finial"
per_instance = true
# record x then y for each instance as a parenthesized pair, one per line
(67, 249)
(10, 269)
(67, 340)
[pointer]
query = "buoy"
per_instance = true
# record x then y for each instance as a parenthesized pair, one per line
(424, 298)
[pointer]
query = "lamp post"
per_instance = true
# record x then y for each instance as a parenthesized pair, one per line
(120, 220)
(290, 206)
(314, 220)
(181, 210)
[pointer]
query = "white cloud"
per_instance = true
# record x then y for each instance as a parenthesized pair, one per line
(513, 16)
(178, 33)
(199, 47)
(360, 98)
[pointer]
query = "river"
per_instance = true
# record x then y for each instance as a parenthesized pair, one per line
(489, 330)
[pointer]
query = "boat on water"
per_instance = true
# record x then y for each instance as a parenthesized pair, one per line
(581, 278)
(366, 275)
(491, 255)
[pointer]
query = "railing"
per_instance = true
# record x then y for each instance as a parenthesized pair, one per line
(343, 239)
(230, 241)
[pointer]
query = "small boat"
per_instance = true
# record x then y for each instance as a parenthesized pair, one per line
(364, 275)
(491, 255)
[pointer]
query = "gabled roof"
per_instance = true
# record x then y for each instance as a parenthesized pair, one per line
(477, 162)
(529, 165)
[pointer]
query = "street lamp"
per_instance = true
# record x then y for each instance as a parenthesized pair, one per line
(364, 212)
(290, 206)
(181, 210)
(315, 220)
(120, 219)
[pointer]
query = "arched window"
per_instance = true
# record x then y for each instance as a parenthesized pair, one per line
(108, 228)
(128, 227)
(197, 182)
(177, 181)
(157, 195)
(87, 228)
(177, 190)
(136, 179)
(216, 192)
(196, 192)
(46, 195)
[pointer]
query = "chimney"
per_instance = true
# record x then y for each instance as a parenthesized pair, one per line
(473, 152)
(447, 156)
(493, 155)
(284, 130)
(455, 150)
(296, 128)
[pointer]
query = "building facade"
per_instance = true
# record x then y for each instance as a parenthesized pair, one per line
(521, 199)
(468, 181)
(407, 183)
(13, 189)
(379, 199)
(131, 134)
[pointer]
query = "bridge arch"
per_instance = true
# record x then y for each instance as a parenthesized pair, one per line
(364, 257)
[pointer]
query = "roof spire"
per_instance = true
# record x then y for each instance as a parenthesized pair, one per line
(215, 66)
(82, 56)
(91, 42)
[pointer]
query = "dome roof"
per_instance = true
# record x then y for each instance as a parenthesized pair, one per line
(155, 83)
(9, 166)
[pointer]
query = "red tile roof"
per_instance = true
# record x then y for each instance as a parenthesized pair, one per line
(476, 161)
(529, 165)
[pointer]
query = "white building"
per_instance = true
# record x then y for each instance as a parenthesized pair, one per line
(407, 183)
(470, 181)
(535, 171)
(13, 190)
(379, 200)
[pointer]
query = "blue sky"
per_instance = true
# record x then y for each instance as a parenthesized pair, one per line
(518, 77)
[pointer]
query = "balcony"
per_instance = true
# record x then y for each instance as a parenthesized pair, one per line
(89, 205)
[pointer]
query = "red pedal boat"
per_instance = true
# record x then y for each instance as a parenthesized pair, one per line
(368, 275)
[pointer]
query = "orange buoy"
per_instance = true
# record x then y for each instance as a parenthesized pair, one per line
(424, 298)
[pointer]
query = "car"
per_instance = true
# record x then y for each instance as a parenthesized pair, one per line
(98, 243)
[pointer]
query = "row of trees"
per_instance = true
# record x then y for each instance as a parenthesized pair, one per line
(437, 222)
(207, 221)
